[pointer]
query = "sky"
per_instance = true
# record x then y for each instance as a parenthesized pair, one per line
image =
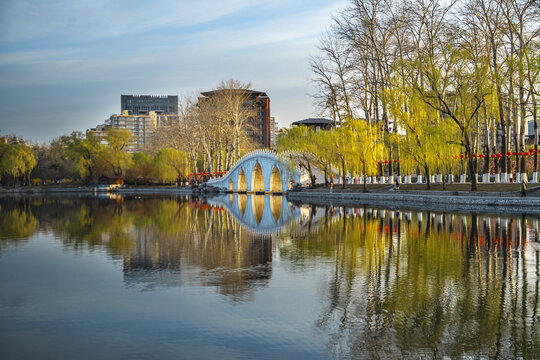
(64, 63)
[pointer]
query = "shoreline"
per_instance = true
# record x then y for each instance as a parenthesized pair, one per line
(448, 202)
(38, 190)
(507, 202)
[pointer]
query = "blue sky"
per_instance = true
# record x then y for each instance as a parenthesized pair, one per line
(64, 64)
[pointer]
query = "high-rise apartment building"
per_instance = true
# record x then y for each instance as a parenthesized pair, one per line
(142, 126)
(259, 129)
(143, 104)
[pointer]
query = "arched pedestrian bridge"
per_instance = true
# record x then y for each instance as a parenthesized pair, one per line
(261, 171)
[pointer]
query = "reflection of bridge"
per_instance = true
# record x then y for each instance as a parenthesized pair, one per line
(258, 171)
(257, 213)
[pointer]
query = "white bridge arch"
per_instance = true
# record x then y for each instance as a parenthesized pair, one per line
(259, 171)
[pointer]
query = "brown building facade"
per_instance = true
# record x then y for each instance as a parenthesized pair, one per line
(260, 129)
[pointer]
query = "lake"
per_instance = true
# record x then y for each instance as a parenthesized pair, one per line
(257, 277)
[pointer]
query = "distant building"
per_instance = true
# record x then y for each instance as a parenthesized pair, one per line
(260, 132)
(274, 132)
(278, 133)
(99, 132)
(316, 123)
(143, 104)
(12, 140)
(142, 126)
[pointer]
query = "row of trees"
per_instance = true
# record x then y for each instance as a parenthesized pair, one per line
(211, 134)
(357, 147)
(92, 158)
(89, 158)
(214, 130)
(433, 74)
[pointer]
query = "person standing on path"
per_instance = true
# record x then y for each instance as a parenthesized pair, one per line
(523, 188)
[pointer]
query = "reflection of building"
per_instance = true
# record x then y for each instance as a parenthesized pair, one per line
(143, 104)
(260, 131)
(316, 123)
(233, 261)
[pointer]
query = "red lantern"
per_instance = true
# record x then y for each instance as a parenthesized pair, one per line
(395, 160)
(514, 153)
(462, 156)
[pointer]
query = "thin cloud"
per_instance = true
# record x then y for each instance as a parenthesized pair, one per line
(73, 51)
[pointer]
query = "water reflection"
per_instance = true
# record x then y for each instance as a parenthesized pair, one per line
(158, 239)
(392, 283)
(260, 214)
(427, 284)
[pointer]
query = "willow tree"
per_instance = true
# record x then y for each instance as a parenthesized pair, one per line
(364, 147)
(115, 154)
(82, 152)
(301, 141)
(420, 124)
(456, 86)
(17, 160)
(171, 165)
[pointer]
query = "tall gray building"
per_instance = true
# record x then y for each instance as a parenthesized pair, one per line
(143, 104)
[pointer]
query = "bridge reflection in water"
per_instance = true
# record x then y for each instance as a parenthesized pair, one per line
(260, 214)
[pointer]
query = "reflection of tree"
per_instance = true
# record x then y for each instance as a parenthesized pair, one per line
(164, 235)
(16, 223)
(181, 236)
(426, 283)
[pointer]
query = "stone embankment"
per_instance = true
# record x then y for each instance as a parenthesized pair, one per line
(440, 201)
(503, 202)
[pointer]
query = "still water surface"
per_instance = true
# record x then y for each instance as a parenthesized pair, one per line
(244, 277)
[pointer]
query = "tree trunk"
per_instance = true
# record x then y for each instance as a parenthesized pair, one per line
(471, 167)
(365, 178)
(428, 180)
